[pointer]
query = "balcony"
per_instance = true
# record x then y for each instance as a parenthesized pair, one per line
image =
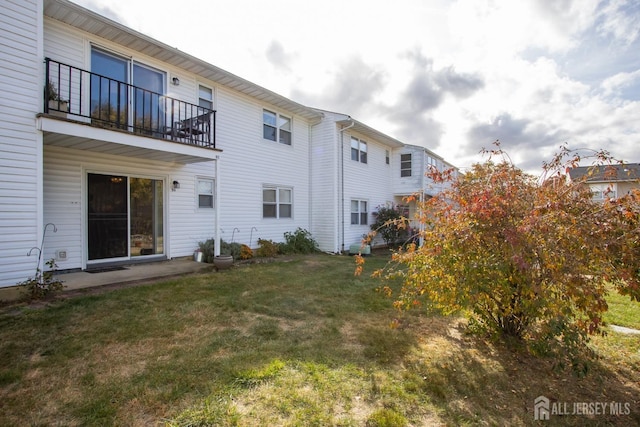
(99, 101)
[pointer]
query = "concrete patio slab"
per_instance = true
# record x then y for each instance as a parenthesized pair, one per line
(134, 273)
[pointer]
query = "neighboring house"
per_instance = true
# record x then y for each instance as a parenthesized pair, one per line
(608, 181)
(117, 148)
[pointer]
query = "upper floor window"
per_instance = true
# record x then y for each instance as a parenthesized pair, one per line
(205, 192)
(431, 162)
(276, 127)
(358, 150)
(113, 101)
(277, 202)
(386, 156)
(205, 97)
(405, 164)
(359, 212)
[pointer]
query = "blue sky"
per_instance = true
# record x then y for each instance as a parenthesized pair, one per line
(453, 76)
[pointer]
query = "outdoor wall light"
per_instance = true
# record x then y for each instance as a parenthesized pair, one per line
(176, 81)
(175, 185)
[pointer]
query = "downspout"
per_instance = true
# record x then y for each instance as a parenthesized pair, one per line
(216, 245)
(353, 123)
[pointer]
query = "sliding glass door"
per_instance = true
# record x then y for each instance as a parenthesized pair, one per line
(125, 217)
(127, 94)
(146, 234)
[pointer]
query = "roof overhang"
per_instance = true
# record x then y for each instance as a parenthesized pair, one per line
(68, 134)
(369, 132)
(98, 25)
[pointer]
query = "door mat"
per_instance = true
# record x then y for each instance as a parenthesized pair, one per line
(104, 270)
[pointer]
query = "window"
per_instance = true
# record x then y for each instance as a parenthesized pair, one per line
(386, 156)
(359, 212)
(205, 97)
(405, 165)
(358, 150)
(205, 193)
(277, 202)
(276, 127)
(114, 102)
(431, 163)
(603, 191)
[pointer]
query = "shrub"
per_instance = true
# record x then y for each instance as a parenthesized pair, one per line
(233, 249)
(42, 284)
(298, 242)
(268, 248)
(208, 250)
(521, 257)
(391, 224)
(246, 252)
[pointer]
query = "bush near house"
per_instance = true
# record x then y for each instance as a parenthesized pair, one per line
(390, 224)
(522, 258)
(267, 249)
(208, 250)
(298, 242)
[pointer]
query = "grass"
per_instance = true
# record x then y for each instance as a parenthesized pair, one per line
(300, 342)
(622, 311)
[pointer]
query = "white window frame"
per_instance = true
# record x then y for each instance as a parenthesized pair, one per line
(405, 171)
(282, 135)
(201, 99)
(278, 203)
(601, 192)
(359, 150)
(359, 216)
(212, 193)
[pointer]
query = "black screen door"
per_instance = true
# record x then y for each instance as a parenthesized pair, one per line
(108, 223)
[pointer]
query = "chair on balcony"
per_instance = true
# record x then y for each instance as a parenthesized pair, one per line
(195, 130)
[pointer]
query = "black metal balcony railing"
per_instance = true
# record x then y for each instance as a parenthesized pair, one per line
(104, 102)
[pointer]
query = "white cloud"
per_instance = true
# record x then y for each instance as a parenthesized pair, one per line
(437, 73)
(614, 85)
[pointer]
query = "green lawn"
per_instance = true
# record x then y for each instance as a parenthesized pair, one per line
(622, 311)
(297, 342)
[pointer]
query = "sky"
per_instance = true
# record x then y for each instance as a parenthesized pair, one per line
(450, 75)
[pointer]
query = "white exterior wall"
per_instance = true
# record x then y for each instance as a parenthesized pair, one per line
(371, 181)
(66, 169)
(407, 185)
(20, 143)
(250, 162)
(418, 181)
(65, 205)
(325, 179)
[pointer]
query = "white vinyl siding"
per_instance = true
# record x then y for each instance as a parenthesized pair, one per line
(20, 143)
(278, 164)
(325, 177)
(64, 202)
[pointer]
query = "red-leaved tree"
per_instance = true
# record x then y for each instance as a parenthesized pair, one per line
(520, 256)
